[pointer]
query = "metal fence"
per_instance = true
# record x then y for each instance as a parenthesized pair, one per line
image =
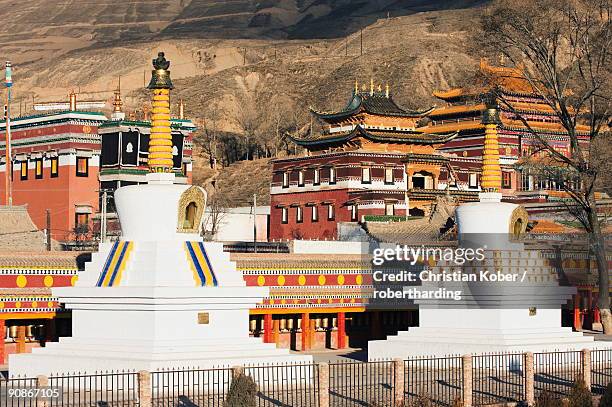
(108, 389)
(286, 385)
(443, 381)
(498, 378)
(361, 384)
(556, 372)
(435, 380)
(199, 387)
(12, 392)
(601, 369)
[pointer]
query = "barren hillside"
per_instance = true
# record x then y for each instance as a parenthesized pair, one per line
(228, 53)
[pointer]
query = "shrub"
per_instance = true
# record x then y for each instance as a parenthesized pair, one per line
(580, 395)
(606, 399)
(545, 399)
(242, 392)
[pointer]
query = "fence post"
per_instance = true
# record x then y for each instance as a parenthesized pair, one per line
(398, 385)
(529, 379)
(323, 384)
(144, 388)
(41, 382)
(466, 367)
(586, 367)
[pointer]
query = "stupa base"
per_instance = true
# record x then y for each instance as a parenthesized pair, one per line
(71, 355)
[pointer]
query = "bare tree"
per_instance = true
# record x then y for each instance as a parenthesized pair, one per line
(208, 135)
(216, 210)
(563, 49)
(249, 119)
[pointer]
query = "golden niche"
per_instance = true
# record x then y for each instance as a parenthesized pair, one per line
(518, 222)
(190, 210)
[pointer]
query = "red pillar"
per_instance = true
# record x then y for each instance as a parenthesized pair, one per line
(276, 332)
(267, 334)
(2, 336)
(21, 339)
(341, 330)
(577, 319)
(305, 331)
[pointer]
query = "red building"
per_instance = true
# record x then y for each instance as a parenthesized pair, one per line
(368, 162)
(55, 166)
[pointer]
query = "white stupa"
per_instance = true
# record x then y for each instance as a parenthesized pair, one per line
(159, 297)
(491, 317)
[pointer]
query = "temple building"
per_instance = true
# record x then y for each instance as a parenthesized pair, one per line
(29, 315)
(461, 111)
(55, 165)
(63, 160)
(125, 150)
(368, 161)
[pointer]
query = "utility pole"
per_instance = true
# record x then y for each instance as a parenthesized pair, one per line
(8, 167)
(255, 222)
(103, 220)
(361, 40)
(48, 230)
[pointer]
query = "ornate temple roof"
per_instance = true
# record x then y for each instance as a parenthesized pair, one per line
(438, 225)
(372, 102)
(388, 136)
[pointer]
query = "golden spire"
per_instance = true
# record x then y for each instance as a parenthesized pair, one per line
(356, 86)
(491, 170)
(387, 90)
(160, 144)
(181, 109)
(379, 88)
(73, 101)
(117, 103)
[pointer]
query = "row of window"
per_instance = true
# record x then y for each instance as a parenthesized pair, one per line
(474, 180)
(366, 176)
(82, 168)
(314, 214)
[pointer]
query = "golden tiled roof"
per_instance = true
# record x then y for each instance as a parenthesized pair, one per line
(17, 231)
(39, 259)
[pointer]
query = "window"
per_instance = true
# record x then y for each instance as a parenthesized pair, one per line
(389, 209)
(316, 177)
(330, 212)
(389, 176)
(366, 176)
(299, 215)
(315, 213)
(54, 167)
(332, 175)
(285, 179)
(82, 219)
(301, 178)
(190, 215)
(24, 170)
(506, 179)
(353, 209)
(473, 180)
(284, 215)
(82, 167)
(39, 168)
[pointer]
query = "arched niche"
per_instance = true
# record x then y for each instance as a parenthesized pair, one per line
(190, 210)
(518, 222)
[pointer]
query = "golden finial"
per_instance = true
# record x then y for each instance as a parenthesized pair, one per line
(387, 90)
(356, 86)
(379, 88)
(181, 109)
(117, 103)
(73, 101)
(363, 86)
